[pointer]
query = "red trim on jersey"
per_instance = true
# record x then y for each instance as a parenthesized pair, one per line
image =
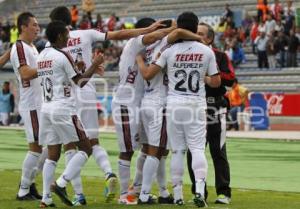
(69, 58)
(163, 132)
(79, 128)
(21, 53)
(35, 125)
(126, 128)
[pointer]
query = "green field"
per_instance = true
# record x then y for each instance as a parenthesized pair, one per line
(265, 174)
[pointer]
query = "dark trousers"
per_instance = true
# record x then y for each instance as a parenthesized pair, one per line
(262, 59)
(216, 140)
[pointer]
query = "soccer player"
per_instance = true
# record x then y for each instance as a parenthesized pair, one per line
(23, 57)
(153, 118)
(216, 117)
(80, 48)
(59, 121)
(187, 62)
(126, 102)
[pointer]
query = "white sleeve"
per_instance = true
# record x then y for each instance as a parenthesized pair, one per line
(96, 35)
(137, 43)
(68, 67)
(19, 56)
(212, 67)
(162, 60)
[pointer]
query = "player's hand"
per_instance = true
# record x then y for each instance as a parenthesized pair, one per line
(155, 25)
(100, 70)
(80, 66)
(98, 59)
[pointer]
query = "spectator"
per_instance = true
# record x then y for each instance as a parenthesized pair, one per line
(276, 9)
(88, 5)
(99, 24)
(282, 43)
(279, 26)
(254, 33)
(6, 35)
(261, 44)
(238, 55)
(272, 51)
(111, 23)
(238, 97)
(13, 34)
(293, 45)
(7, 104)
(289, 14)
(74, 16)
(85, 23)
(262, 9)
(228, 12)
(270, 25)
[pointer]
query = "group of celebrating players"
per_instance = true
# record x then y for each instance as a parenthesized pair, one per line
(160, 105)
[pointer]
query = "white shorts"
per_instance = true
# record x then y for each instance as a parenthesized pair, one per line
(154, 119)
(87, 111)
(186, 127)
(60, 129)
(126, 120)
(4, 118)
(31, 122)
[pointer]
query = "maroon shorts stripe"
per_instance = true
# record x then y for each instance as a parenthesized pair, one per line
(79, 128)
(126, 128)
(35, 124)
(21, 53)
(163, 132)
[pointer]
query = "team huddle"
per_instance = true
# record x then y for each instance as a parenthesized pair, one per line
(160, 105)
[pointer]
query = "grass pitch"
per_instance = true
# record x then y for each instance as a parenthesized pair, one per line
(264, 173)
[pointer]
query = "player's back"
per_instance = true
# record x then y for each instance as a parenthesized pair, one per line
(188, 62)
(155, 90)
(131, 87)
(55, 73)
(30, 94)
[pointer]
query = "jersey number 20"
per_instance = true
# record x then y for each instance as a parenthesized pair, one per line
(192, 78)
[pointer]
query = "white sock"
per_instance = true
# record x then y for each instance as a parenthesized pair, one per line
(149, 171)
(161, 177)
(40, 164)
(137, 182)
(124, 175)
(76, 181)
(199, 165)
(73, 168)
(48, 178)
(102, 160)
(29, 164)
(177, 171)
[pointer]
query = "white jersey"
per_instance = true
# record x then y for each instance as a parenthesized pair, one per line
(131, 87)
(30, 95)
(188, 62)
(155, 90)
(55, 72)
(80, 47)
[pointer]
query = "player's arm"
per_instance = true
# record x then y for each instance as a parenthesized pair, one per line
(130, 33)
(82, 79)
(180, 33)
(148, 72)
(213, 81)
(27, 73)
(150, 38)
(4, 58)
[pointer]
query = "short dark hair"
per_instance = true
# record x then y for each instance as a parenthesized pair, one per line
(23, 19)
(188, 21)
(62, 14)
(144, 22)
(210, 31)
(54, 29)
(6, 83)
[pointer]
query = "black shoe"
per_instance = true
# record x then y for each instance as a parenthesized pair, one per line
(61, 193)
(166, 200)
(150, 201)
(33, 191)
(179, 202)
(26, 197)
(199, 201)
(44, 205)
